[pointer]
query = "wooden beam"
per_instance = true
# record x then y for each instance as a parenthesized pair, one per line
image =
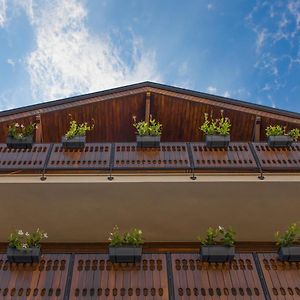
(39, 129)
(147, 107)
(257, 126)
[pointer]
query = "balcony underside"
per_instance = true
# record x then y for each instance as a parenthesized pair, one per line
(84, 209)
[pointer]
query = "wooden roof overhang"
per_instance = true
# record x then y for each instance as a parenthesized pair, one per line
(180, 111)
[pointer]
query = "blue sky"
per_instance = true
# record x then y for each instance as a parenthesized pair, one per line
(248, 50)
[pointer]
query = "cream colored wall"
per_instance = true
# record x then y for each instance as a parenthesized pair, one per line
(74, 211)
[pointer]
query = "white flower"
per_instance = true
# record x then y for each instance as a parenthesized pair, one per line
(20, 232)
(24, 246)
(109, 238)
(140, 231)
(45, 235)
(17, 124)
(26, 233)
(22, 126)
(221, 227)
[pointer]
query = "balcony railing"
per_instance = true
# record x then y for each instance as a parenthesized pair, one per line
(170, 157)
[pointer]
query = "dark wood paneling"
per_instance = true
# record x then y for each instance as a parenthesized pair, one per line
(282, 278)
(46, 280)
(181, 116)
(278, 159)
(113, 119)
(95, 277)
(237, 156)
(168, 156)
(194, 279)
(92, 156)
(23, 159)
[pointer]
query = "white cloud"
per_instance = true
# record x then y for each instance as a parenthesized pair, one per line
(5, 100)
(260, 39)
(211, 89)
(2, 12)
(69, 60)
(226, 94)
(210, 6)
(266, 87)
(276, 25)
(11, 62)
(294, 9)
(183, 69)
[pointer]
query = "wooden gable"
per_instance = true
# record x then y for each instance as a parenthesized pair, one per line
(180, 111)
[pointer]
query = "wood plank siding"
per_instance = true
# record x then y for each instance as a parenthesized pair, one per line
(180, 111)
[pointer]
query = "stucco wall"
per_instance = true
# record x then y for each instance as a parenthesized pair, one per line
(74, 211)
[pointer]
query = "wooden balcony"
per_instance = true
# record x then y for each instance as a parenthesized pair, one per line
(170, 157)
(159, 276)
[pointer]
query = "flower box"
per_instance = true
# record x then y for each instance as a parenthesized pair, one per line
(217, 141)
(289, 253)
(77, 142)
(280, 141)
(217, 253)
(24, 143)
(29, 255)
(148, 141)
(125, 254)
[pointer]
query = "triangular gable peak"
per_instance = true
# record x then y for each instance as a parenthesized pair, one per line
(180, 111)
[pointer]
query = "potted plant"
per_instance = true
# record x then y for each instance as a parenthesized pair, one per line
(218, 246)
(148, 134)
(75, 137)
(289, 243)
(217, 131)
(25, 247)
(126, 247)
(20, 136)
(277, 136)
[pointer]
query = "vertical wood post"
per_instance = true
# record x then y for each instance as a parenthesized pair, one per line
(147, 107)
(257, 129)
(39, 129)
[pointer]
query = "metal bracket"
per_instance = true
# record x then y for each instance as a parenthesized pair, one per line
(111, 162)
(191, 159)
(193, 177)
(170, 276)
(261, 176)
(43, 177)
(261, 276)
(110, 178)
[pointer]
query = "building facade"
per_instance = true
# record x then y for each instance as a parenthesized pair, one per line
(173, 193)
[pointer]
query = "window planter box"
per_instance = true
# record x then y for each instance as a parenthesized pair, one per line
(125, 254)
(289, 253)
(25, 143)
(77, 142)
(217, 253)
(217, 141)
(30, 255)
(277, 141)
(148, 141)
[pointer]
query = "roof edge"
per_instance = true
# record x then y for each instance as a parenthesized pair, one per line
(144, 84)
